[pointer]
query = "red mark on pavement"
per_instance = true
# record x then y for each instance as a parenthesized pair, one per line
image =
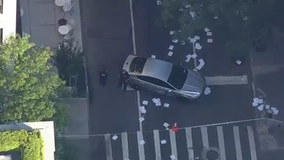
(175, 127)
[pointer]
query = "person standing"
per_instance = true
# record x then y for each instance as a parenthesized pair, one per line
(103, 77)
(123, 78)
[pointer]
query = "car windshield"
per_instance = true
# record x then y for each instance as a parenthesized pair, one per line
(137, 64)
(178, 76)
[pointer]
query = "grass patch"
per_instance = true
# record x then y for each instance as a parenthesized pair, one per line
(29, 142)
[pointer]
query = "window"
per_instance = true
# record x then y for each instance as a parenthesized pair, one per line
(155, 81)
(178, 76)
(137, 64)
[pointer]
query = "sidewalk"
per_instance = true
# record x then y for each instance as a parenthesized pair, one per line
(40, 21)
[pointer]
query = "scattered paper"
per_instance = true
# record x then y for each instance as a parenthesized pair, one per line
(206, 29)
(188, 56)
(193, 40)
(182, 42)
(254, 104)
(166, 105)
(196, 157)
(267, 106)
(238, 62)
(181, 9)
(155, 100)
(166, 124)
(209, 40)
(172, 32)
(158, 104)
(194, 55)
(173, 157)
(207, 91)
(198, 46)
(142, 109)
(187, 59)
(159, 2)
(114, 137)
(141, 119)
(153, 56)
(209, 33)
(274, 110)
(170, 53)
(197, 37)
(260, 108)
(141, 142)
(145, 102)
(215, 17)
(163, 141)
(255, 99)
(171, 47)
(201, 64)
(175, 40)
(260, 100)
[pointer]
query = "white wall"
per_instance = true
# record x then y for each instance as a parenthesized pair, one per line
(9, 12)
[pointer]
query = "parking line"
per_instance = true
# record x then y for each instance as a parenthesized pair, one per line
(227, 80)
(139, 113)
(108, 147)
(189, 143)
(132, 26)
(237, 143)
(251, 143)
(221, 142)
(124, 142)
(173, 143)
(204, 135)
(140, 147)
(157, 144)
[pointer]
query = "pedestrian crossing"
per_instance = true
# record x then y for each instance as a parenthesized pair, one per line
(226, 142)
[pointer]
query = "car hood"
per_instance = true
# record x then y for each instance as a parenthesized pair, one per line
(194, 83)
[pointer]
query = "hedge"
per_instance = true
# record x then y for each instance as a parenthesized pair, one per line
(30, 142)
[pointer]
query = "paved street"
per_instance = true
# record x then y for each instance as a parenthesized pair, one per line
(235, 141)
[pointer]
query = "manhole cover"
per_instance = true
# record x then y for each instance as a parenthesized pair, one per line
(212, 155)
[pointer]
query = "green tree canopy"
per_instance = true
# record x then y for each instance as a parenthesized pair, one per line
(29, 89)
(240, 22)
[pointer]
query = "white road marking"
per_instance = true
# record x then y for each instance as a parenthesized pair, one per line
(204, 135)
(140, 147)
(189, 143)
(221, 142)
(139, 113)
(124, 141)
(227, 80)
(237, 143)
(194, 52)
(157, 145)
(173, 143)
(108, 147)
(251, 143)
(132, 26)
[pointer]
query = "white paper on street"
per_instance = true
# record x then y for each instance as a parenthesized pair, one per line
(155, 100)
(159, 2)
(182, 42)
(193, 40)
(194, 55)
(209, 33)
(267, 106)
(166, 124)
(260, 108)
(260, 100)
(207, 91)
(141, 119)
(255, 99)
(173, 157)
(197, 37)
(114, 137)
(187, 6)
(187, 60)
(144, 102)
(274, 110)
(158, 104)
(175, 40)
(188, 56)
(172, 32)
(201, 64)
(238, 62)
(206, 29)
(209, 40)
(153, 56)
(163, 141)
(254, 104)
(170, 53)
(166, 105)
(198, 46)
(141, 142)
(171, 47)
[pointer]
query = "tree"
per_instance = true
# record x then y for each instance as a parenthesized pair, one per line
(29, 89)
(241, 23)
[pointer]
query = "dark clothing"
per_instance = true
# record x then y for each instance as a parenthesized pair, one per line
(103, 78)
(123, 77)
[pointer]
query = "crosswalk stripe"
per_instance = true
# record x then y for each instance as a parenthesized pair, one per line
(237, 143)
(189, 143)
(221, 142)
(157, 145)
(173, 143)
(124, 141)
(251, 143)
(204, 135)
(140, 147)
(108, 147)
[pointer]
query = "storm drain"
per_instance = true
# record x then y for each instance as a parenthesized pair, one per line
(211, 153)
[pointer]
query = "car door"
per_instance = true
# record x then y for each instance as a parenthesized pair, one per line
(156, 85)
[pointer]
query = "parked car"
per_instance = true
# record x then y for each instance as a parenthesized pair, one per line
(163, 77)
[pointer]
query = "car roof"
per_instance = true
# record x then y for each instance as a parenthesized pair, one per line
(154, 68)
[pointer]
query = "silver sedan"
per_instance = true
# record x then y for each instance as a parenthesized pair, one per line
(163, 77)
